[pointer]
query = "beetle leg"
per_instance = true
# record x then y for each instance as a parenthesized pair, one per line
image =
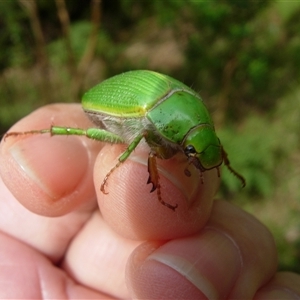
(102, 188)
(235, 173)
(153, 172)
(97, 134)
(201, 177)
(218, 171)
(122, 158)
(154, 179)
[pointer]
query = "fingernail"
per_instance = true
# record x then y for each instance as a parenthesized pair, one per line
(210, 261)
(55, 164)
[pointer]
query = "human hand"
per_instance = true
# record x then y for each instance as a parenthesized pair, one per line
(57, 244)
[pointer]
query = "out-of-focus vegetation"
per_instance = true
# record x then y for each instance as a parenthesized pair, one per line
(242, 56)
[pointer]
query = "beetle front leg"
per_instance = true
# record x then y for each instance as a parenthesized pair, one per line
(235, 173)
(154, 179)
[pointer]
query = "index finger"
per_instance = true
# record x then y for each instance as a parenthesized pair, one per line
(134, 212)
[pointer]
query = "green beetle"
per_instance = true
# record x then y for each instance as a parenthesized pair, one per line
(169, 115)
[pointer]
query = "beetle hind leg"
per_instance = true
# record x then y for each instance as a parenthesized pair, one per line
(154, 179)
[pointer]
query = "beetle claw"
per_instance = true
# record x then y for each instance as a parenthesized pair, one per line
(187, 172)
(102, 188)
(173, 207)
(235, 173)
(153, 185)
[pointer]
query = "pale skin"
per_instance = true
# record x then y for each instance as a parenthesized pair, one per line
(56, 244)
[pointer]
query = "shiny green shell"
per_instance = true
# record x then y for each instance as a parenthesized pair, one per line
(170, 105)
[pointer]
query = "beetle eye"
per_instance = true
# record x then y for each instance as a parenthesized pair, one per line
(189, 150)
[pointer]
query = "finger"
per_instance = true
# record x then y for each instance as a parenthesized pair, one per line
(50, 236)
(230, 258)
(97, 257)
(47, 183)
(50, 176)
(134, 212)
(26, 274)
(284, 285)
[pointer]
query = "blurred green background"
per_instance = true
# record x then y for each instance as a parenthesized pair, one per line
(243, 57)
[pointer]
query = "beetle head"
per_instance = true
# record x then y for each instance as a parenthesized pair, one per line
(203, 148)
